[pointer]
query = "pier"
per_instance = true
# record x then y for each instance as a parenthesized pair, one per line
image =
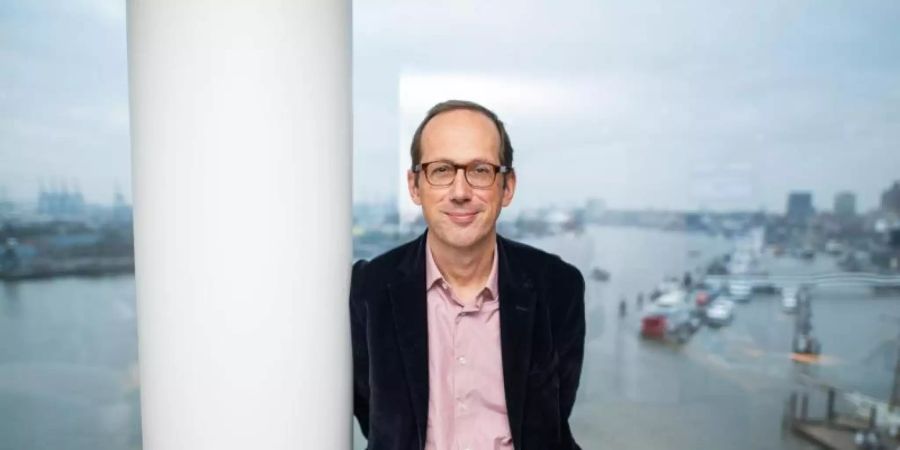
(849, 421)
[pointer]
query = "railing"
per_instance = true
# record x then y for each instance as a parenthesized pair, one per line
(830, 279)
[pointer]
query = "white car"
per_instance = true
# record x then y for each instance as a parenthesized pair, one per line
(720, 312)
(675, 297)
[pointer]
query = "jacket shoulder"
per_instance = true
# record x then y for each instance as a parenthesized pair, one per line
(543, 263)
(379, 269)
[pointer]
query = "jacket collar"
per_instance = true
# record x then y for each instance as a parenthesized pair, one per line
(412, 263)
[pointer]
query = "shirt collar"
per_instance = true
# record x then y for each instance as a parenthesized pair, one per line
(433, 273)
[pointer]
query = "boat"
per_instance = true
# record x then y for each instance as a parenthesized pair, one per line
(599, 274)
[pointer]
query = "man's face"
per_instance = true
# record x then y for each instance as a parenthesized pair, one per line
(459, 215)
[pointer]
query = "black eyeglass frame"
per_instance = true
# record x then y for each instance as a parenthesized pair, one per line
(498, 169)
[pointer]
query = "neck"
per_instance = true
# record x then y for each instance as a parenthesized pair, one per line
(468, 266)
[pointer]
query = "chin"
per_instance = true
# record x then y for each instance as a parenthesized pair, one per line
(461, 237)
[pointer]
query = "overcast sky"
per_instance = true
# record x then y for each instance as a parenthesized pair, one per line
(641, 103)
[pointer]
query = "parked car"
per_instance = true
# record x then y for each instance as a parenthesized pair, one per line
(673, 298)
(720, 312)
(669, 323)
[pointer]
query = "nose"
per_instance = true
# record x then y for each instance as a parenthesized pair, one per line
(460, 190)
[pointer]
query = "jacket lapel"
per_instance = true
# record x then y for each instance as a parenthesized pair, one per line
(411, 324)
(517, 308)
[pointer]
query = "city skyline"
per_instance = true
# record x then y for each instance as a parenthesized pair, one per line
(648, 105)
(819, 204)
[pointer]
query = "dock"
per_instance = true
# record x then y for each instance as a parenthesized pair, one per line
(834, 430)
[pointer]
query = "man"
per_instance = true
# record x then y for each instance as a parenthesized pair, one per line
(463, 339)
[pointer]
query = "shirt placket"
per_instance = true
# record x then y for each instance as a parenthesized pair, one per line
(463, 376)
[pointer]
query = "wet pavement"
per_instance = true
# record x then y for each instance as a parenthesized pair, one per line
(725, 388)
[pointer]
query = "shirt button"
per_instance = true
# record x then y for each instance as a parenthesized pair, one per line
(462, 360)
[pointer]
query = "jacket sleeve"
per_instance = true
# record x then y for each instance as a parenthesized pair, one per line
(360, 347)
(571, 353)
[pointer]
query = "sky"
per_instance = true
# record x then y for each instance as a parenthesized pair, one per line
(63, 98)
(644, 104)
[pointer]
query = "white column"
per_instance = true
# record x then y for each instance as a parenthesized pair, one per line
(241, 135)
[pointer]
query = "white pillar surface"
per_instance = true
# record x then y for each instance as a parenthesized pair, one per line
(241, 141)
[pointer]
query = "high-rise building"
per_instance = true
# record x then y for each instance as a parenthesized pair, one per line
(890, 199)
(799, 207)
(845, 204)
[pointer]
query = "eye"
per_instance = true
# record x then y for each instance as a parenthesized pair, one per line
(483, 169)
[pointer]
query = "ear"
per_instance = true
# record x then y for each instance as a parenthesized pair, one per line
(509, 188)
(413, 188)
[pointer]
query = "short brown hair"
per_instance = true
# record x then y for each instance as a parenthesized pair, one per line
(506, 150)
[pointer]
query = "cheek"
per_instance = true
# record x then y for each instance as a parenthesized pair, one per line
(430, 201)
(490, 199)
(432, 198)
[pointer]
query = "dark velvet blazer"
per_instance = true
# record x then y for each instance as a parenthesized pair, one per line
(542, 330)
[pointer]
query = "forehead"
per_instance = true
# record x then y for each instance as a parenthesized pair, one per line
(460, 135)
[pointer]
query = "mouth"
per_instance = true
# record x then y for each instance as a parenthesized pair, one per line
(462, 218)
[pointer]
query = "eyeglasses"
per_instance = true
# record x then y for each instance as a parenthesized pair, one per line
(478, 174)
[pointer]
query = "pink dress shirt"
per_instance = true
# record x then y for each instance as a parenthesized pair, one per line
(466, 401)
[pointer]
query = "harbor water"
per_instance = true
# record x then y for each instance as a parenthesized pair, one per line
(68, 354)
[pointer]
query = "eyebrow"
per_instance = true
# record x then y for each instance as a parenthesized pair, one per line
(465, 163)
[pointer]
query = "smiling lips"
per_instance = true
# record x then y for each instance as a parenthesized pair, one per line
(462, 218)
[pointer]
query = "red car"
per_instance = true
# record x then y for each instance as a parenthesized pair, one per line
(668, 323)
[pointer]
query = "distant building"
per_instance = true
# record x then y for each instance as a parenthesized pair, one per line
(845, 204)
(60, 202)
(799, 207)
(890, 199)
